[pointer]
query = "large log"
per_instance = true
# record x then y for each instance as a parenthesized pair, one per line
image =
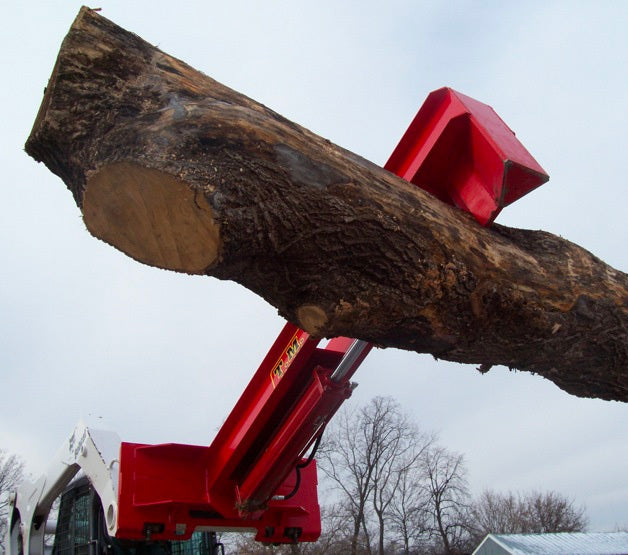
(180, 172)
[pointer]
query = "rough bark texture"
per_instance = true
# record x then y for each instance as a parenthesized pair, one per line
(180, 172)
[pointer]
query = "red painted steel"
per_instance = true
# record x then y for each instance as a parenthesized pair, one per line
(171, 489)
(457, 149)
(163, 494)
(462, 152)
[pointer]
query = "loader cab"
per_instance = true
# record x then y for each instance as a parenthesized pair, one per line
(81, 530)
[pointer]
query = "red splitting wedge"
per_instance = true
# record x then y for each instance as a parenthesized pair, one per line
(462, 152)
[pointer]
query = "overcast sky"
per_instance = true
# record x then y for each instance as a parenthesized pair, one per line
(162, 357)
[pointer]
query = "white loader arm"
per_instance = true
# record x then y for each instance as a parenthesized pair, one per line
(96, 453)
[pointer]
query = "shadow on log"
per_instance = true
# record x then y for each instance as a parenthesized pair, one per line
(183, 173)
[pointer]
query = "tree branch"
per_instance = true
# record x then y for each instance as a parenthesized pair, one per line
(182, 173)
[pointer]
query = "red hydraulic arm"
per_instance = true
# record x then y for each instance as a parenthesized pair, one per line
(247, 476)
(254, 474)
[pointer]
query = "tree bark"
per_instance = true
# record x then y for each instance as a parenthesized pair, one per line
(180, 172)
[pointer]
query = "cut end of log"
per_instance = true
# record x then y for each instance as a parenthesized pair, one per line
(152, 217)
(312, 319)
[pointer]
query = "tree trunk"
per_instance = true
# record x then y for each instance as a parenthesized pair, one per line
(380, 537)
(354, 538)
(180, 172)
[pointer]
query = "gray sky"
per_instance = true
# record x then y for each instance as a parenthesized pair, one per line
(161, 357)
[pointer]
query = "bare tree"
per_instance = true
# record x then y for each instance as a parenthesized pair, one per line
(496, 513)
(446, 483)
(552, 512)
(409, 514)
(11, 472)
(336, 531)
(399, 445)
(329, 455)
(535, 512)
(346, 458)
(367, 455)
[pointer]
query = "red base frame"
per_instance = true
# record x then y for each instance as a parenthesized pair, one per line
(164, 496)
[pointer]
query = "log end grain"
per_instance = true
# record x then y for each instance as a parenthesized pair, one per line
(151, 216)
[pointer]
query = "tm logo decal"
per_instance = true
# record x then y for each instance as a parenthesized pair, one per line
(286, 358)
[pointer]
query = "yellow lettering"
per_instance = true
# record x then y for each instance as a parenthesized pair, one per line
(278, 370)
